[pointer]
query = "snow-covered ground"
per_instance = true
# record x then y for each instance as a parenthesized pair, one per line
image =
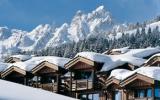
(14, 91)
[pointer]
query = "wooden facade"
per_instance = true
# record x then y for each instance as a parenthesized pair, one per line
(134, 87)
(16, 74)
(84, 82)
(139, 87)
(48, 76)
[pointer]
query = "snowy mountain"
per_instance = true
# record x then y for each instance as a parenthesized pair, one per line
(98, 23)
(82, 26)
(95, 23)
(37, 38)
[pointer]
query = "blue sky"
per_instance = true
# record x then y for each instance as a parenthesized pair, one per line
(27, 14)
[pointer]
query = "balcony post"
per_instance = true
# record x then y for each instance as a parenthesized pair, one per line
(93, 78)
(153, 93)
(37, 81)
(76, 85)
(71, 81)
(25, 80)
(57, 87)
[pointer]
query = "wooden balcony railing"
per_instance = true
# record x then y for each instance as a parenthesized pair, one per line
(145, 98)
(47, 86)
(82, 84)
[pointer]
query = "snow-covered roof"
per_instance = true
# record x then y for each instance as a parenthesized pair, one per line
(119, 60)
(122, 50)
(111, 61)
(155, 55)
(141, 53)
(22, 57)
(26, 93)
(31, 63)
(152, 72)
(119, 74)
(94, 56)
(3, 66)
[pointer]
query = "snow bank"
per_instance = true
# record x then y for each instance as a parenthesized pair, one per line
(13, 91)
(111, 61)
(31, 63)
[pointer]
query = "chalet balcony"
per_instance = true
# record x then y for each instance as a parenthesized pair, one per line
(147, 98)
(78, 85)
(47, 86)
(82, 84)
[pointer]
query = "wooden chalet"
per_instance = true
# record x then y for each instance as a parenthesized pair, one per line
(83, 83)
(48, 76)
(139, 87)
(134, 86)
(111, 86)
(90, 79)
(16, 74)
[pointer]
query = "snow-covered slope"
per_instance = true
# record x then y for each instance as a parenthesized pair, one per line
(13, 91)
(120, 29)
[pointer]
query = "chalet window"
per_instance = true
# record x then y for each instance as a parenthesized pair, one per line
(139, 93)
(118, 95)
(46, 80)
(89, 97)
(82, 75)
(157, 92)
(93, 96)
(149, 92)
